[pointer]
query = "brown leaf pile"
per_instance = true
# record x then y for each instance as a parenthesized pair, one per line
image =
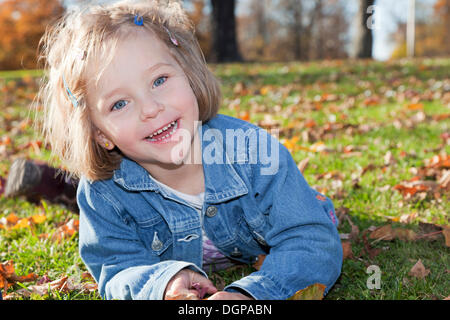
(386, 233)
(8, 276)
(433, 179)
(66, 230)
(43, 284)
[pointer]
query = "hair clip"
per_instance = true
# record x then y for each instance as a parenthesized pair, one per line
(172, 38)
(69, 93)
(138, 20)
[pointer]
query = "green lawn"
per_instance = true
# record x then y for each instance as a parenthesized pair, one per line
(364, 126)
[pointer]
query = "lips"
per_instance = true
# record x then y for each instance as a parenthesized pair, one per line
(164, 132)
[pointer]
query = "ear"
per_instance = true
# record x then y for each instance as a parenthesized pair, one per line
(103, 141)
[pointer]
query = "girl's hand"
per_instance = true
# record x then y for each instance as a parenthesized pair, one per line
(188, 285)
(224, 295)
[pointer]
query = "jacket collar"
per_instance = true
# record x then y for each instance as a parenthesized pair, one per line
(222, 182)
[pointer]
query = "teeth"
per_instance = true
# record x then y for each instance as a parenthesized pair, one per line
(174, 123)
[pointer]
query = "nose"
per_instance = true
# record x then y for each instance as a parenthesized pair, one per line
(150, 108)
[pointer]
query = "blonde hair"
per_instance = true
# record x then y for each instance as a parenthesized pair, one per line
(83, 36)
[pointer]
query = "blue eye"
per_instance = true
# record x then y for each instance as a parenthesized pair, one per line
(159, 81)
(119, 105)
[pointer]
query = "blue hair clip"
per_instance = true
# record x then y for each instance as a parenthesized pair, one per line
(69, 93)
(138, 20)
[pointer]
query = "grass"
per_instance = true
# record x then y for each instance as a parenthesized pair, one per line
(376, 108)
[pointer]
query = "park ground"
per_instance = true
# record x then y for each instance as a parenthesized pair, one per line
(373, 136)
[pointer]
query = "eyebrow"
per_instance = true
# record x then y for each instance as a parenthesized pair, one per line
(150, 70)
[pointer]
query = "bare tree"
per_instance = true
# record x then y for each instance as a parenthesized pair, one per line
(295, 29)
(224, 43)
(362, 42)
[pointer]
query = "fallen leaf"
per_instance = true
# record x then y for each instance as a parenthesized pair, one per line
(405, 234)
(12, 219)
(312, 292)
(64, 284)
(257, 265)
(383, 233)
(347, 250)
(419, 270)
(302, 165)
(38, 218)
(245, 115)
(408, 218)
(181, 296)
(8, 276)
(446, 233)
(372, 252)
(63, 232)
(22, 223)
(415, 106)
(387, 233)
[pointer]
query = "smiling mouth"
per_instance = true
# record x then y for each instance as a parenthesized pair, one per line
(164, 132)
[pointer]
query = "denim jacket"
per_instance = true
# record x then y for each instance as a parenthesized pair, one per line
(135, 236)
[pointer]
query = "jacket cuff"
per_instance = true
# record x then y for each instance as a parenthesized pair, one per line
(155, 290)
(259, 287)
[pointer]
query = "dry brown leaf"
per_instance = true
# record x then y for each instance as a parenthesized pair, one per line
(387, 233)
(405, 234)
(383, 233)
(64, 284)
(302, 165)
(446, 233)
(63, 232)
(347, 250)
(419, 270)
(257, 265)
(8, 275)
(181, 296)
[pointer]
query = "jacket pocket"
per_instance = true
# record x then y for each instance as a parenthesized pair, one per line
(155, 234)
(254, 228)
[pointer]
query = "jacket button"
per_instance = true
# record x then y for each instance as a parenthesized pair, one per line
(156, 243)
(236, 253)
(211, 211)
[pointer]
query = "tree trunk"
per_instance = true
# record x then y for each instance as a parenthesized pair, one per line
(224, 46)
(362, 43)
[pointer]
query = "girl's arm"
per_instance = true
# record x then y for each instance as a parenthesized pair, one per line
(300, 230)
(112, 251)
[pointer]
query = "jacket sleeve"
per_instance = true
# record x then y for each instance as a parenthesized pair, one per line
(305, 247)
(114, 254)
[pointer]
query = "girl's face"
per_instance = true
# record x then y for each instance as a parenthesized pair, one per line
(142, 91)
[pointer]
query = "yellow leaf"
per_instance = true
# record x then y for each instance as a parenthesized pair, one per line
(22, 223)
(264, 90)
(312, 292)
(38, 218)
(12, 219)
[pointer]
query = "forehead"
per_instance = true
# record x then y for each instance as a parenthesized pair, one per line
(130, 51)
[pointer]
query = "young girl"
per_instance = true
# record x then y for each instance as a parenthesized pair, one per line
(165, 196)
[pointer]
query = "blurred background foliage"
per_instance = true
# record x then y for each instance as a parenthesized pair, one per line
(255, 30)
